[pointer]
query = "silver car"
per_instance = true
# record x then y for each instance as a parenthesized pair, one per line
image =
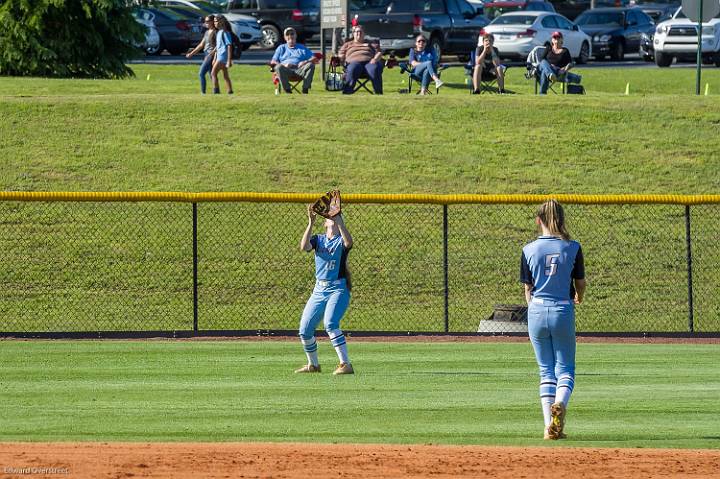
(246, 28)
(517, 33)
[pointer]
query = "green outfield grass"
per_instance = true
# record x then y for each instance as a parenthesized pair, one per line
(444, 393)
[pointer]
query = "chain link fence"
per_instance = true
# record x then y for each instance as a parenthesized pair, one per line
(236, 266)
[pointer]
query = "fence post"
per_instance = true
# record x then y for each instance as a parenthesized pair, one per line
(691, 325)
(195, 269)
(445, 267)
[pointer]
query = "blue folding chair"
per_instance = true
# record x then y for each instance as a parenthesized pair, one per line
(488, 80)
(405, 67)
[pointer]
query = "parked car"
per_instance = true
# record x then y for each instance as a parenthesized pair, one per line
(677, 39)
(647, 52)
(517, 33)
(477, 5)
(615, 31)
(246, 28)
(451, 27)
(571, 9)
(178, 32)
(493, 9)
(151, 44)
(658, 10)
(275, 16)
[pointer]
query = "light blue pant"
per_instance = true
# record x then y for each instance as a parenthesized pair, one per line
(327, 303)
(551, 328)
(204, 70)
(424, 71)
(546, 70)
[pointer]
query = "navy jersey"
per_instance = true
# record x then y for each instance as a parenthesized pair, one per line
(550, 264)
(330, 257)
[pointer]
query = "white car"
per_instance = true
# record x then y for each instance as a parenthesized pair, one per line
(517, 33)
(152, 38)
(677, 38)
(247, 28)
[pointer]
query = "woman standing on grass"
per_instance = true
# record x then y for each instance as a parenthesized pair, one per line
(223, 54)
(553, 272)
(207, 45)
(331, 296)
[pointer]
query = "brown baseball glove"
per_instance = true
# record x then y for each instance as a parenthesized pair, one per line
(328, 206)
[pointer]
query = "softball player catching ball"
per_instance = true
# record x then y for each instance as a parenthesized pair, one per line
(552, 269)
(331, 296)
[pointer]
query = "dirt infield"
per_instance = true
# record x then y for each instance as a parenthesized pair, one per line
(293, 460)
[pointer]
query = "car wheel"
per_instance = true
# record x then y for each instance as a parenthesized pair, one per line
(161, 47)
(618, 52)
(270, 37)
(663, 60)
(584, 53)
(436, 45)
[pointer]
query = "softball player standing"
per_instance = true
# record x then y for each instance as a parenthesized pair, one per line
(553, 272)
(331, 296)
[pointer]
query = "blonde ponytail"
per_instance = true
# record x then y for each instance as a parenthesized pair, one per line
(553, 217)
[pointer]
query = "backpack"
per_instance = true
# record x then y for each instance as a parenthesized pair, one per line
(572, 89)
(236, 46)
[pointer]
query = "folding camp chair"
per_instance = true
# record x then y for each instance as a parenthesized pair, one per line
(405, 67)
(533, 69)
(338, 68)
(488, 81)
(294, 79)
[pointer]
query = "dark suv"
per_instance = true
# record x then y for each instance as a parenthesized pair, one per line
(570, 9)
(452, 26)
(615, 31)
(276, 15)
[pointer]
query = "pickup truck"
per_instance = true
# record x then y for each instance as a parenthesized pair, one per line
(677, 38)
(451, 26)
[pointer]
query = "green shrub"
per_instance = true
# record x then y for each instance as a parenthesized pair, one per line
(68, 38)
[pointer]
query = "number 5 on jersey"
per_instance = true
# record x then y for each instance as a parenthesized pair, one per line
(551, 264)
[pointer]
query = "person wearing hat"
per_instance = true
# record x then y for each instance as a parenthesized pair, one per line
(292, 57)
(555, 64)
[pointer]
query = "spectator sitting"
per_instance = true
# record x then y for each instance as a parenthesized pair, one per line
(293, 57)
(555, 64)
(359, 55)
(487, 64)
(424, 62)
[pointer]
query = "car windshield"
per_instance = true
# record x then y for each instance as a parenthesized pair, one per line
(174, 14)
(514, 20)
(494, 12)
(601, 18)
(208, 7)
